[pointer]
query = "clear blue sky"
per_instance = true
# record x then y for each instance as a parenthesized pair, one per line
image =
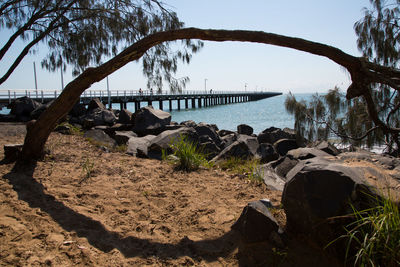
(231, 65)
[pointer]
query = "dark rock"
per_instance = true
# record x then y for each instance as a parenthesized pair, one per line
(8, 118)
(386, 161)
(205, 129)
(257, 224)
(272, 134)
(267, 153)
(100, 137)
(245, 147)
(189, 123)
(122, 137)
(63, 129)
(173, 127)
(283, 165)
(318, 189)
(165, 139)
(229, 139)
(87, 123)
(306, 153)
(12, 152)
(223, 133)
(35, 114)
(244, 129)
(215, 127)
(125, 117)
(95, 103)
(22, 107)
(99, 117)
(282, 146)
(150, 121)
(328, 148)
(271, 178)
(78, 110)
(110, 130)
(210, 149)
(137, 146)
(205, 139)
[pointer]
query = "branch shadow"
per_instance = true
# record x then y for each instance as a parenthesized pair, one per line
(33, 192)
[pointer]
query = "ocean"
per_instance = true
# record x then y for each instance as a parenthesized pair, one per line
(260, 114)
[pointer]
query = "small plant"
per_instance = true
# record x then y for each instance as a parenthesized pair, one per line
(248, 167)
(87, 169)
(186, 155)
(72, 129)
(374, 236)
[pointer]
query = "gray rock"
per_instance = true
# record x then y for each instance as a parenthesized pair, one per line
(148, 120)
(22, 107)
(223, 133)
(78, 110)
(63, 129)
(125, 117)
(257, 224)
(282, 146)
(95, 103)
(328, 148)
(271, 178)
(245, 147)
(189, 123)
(229, 139)
(272, 134)
(165, 139)
(283, 165)
(110, 130)
(303, 153)
(122, 137)
(35, 114)
(210, 149)
(205, 129)
(320, 188)
(267, 153)
(100, 137)
(244, 129)
(137, 146)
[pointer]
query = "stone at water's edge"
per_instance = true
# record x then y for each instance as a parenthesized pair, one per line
(244, 129)
(100, 137)
(148, 120)
(137, 146)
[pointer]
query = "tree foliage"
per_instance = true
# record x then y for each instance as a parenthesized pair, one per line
(86, 32)
(373, 118)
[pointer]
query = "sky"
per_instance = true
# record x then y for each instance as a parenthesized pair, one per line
(234, 66)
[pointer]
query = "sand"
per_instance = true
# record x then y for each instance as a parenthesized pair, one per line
(82, 206)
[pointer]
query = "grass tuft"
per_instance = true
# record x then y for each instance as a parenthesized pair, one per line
(373, 239)
(247, 167)
(186, 155)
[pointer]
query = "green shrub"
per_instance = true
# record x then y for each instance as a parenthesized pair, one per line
(186, 155)
(373, 239)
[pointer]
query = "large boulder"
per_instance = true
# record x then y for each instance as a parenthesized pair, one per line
(125, 117)
(328, 148)
(78, 110)
(257, 224)
(35, 114)
(282, 146)
(245, 147)
(100, 138)
(148, 120)
(204, 129)
(95, 103)
(318, 189)
(244, 129)
(223, 133)
(303, 153)
(229, 139)
(189, 123)
(273, 134)
(98, 117)
(22, 108)
(163, 141)
(137, 146)
(267, 153)
(122, 137)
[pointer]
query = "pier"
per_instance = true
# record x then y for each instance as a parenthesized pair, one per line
(184, 100)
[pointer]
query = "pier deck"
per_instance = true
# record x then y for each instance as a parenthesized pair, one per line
(191, 99)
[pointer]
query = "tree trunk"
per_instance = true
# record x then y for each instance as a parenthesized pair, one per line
(362, 73)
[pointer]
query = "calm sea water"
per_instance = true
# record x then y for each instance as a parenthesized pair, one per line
(258, 114)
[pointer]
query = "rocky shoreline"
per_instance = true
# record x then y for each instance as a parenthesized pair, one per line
(318, 183)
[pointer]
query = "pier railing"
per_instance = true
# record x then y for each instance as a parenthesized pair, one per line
(7, 96)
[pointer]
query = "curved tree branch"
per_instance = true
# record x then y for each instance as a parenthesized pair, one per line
(360, 73)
